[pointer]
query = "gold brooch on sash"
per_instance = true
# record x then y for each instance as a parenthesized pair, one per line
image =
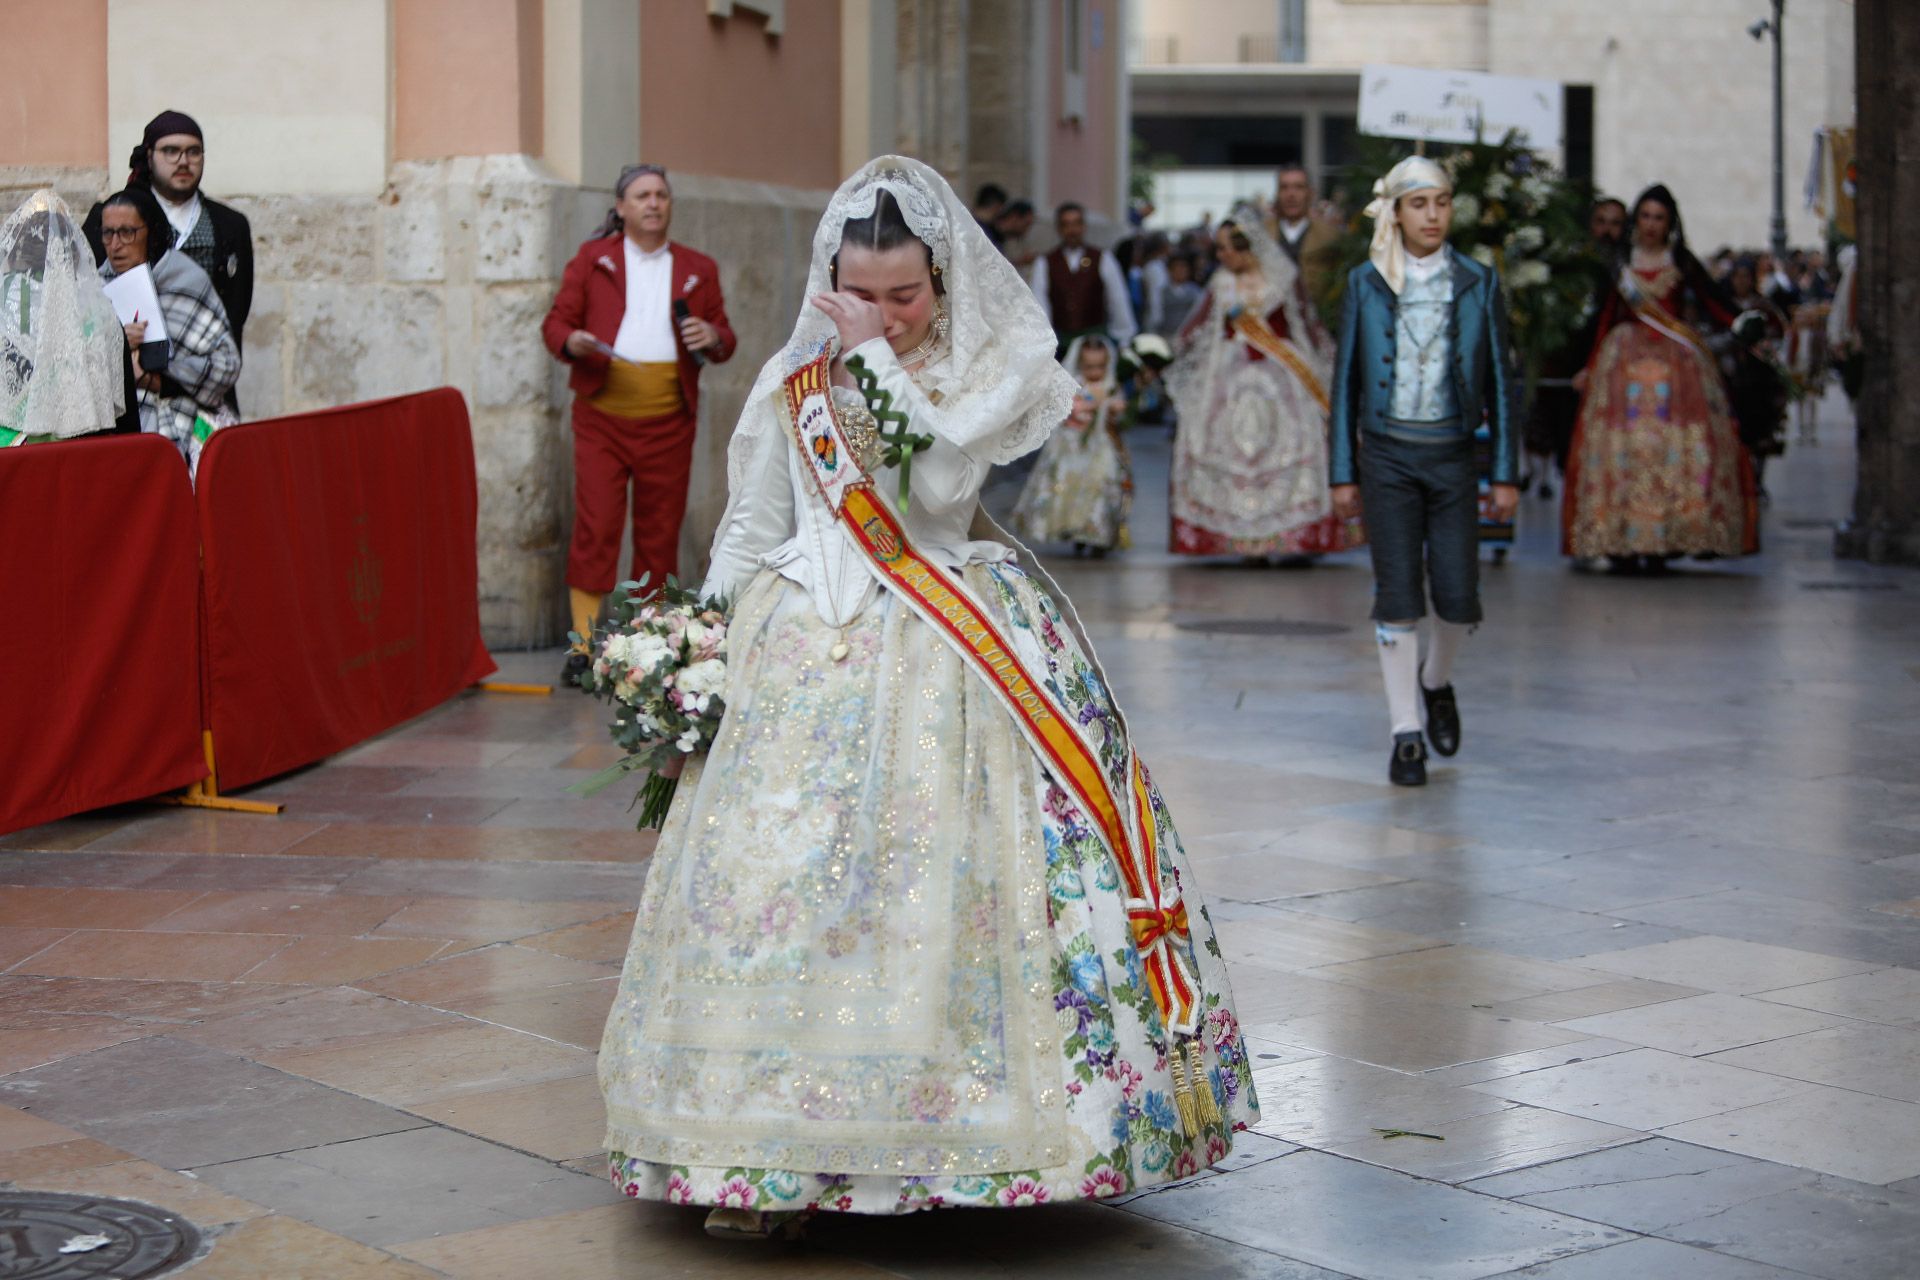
(862, 430)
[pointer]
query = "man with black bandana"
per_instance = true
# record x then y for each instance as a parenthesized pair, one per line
(171, 159)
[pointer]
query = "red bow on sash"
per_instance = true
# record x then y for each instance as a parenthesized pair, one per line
(1151, 924)
(1160, 926)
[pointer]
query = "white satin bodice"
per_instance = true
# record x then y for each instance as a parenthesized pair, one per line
(779, 522)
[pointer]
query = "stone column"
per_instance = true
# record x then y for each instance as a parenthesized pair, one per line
(1001, 98)
(1885, 527)
(933, 41)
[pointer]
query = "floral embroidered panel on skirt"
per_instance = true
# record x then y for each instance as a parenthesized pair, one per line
(1250, 463)
(881, 962)
(1656, 466)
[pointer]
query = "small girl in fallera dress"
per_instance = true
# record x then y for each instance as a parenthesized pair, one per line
(1081, 487)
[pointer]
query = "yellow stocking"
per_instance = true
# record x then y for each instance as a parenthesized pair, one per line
(585, 608)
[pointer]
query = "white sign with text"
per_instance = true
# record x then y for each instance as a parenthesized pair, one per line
(1459, 106)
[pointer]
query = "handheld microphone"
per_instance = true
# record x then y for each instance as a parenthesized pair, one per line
(680, 312)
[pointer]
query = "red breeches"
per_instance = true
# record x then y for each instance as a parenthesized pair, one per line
(655, 457)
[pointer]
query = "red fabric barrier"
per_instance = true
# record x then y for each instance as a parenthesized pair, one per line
(340, 578)
(100, 701)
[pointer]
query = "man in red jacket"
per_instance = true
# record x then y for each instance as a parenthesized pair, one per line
(637, 316)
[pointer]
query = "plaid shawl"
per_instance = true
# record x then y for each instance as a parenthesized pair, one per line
(204, 362)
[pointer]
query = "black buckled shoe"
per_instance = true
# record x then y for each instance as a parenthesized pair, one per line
(576, 665)
(1443, 718)
(1408, 767)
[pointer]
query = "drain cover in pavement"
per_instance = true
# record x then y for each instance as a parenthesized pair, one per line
(1850, 586)
(1261, 627)
(50, 1235)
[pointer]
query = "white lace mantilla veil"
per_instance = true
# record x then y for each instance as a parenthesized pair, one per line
(1283, 279)
(59, 338)
(998, 367)
(1197, 356)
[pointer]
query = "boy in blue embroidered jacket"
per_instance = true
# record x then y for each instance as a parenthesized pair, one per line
(1423, 362)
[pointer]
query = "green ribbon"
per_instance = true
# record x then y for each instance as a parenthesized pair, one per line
(8, 436)
(201, 428)
(901, 443)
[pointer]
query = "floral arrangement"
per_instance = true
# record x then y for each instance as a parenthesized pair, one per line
(662, 662)
(1513, 211)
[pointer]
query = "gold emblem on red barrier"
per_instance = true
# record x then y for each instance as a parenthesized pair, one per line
(363, 577)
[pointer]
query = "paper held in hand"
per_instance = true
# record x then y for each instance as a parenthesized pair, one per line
(134, 298)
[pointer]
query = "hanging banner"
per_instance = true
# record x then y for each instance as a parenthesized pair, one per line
(1460, 106)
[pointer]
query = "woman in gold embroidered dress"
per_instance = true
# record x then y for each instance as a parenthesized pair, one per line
(883, 959)
(1656, 468)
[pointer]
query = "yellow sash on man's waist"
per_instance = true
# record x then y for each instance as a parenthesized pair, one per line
(1125, 823)
(636, 390)
(1261, 337)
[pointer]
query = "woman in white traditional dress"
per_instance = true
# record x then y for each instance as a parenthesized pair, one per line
(1081, 487)
(61, 348)
(918, 931)
(1250, 374)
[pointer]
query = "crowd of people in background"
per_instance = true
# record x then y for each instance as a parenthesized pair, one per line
(1767, 335)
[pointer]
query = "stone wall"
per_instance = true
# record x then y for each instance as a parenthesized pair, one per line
(442, 280)
(445, 280)
(78, 186)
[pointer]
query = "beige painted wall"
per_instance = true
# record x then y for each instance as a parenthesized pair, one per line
(591, 86)
(869, 79)
(302, 111)
(1340, 33)
(1420, 33)
(1657, 62)
(1208, 33)
(54, 110)
(467, 78)
(719, 96)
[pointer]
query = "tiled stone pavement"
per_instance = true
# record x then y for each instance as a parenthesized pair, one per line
(1646, 957)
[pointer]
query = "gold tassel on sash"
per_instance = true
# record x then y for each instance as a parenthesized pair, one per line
(1183, 1099)
(1208, 1106)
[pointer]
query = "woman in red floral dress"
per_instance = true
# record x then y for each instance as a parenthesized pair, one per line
(1656, 469)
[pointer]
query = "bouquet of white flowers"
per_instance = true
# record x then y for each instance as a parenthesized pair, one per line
(662, 662)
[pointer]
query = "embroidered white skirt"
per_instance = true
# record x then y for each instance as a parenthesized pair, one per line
(881, 962)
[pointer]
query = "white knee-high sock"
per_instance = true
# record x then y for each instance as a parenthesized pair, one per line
(1443, 645)
(1399, 644)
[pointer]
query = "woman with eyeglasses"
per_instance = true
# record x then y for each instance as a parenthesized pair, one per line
(190, 376)
(170, 162)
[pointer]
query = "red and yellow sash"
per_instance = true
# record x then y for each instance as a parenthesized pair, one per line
(1261, 337)
(1125, 823)
(1659, 319)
